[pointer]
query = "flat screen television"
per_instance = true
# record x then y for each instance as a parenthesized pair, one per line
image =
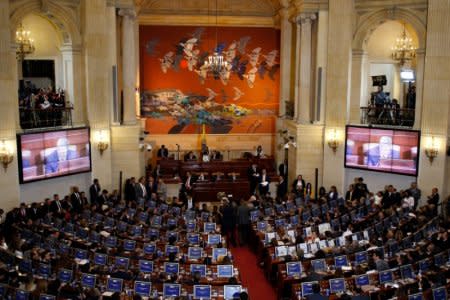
(50, 154)
(382, 150)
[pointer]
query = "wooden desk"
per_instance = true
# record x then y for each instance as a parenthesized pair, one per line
(207, 190)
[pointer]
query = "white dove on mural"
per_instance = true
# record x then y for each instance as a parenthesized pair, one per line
(211, 94)
(251, 77)
(188, 46)
(167, 61)
(254, 56)
(237, 93)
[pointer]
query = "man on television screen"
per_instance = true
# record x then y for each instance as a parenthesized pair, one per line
(58, 154)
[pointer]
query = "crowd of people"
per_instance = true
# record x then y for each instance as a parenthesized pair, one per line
(41, 107)
(395, 228)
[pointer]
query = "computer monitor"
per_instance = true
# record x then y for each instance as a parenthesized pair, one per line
(46, 297)
(319, 264)
(114, 285)
(111, 242)
(122, 262)
(423, 265)
(281, 251)
(217, 252)
(44, 270)
(171, 290)
(280, 223)
(152, 233)
(94, 237)
(307, 288)
(172, 234)
(362, 280)
(145, 266)
(172, 249)
(268, 211)
(341, 261)
(361, 257)
(254, 214)
(100, 259)
(209, 227)
(225, 271)
(386, 276)
(22, 295)
(439, 259)
(193, 238)
(136, 230)
(65, 275)
(149, 248)
(156, 220)
(88, 280)
(294, 220)
(231, 291)
(202, 292)
(129, 245)
(294, 268)
(122, 226)
(142, 288)
(195, 252)
(337, 285)
(406, 272)
(269, 236)
(172, 222)
(198, 268)
(191, 225)
(418, 296)
(261, 225)
(440, 293)
(143, 216)
(214, 239)
(171, 268)
(25, 266)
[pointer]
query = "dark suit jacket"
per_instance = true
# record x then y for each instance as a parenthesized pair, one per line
(354, 195)
(52, 160)
(77, 202)
(294, 185)
(163, 152)
(34, 213)
(282, 189)
(282, 168)
(93, 193)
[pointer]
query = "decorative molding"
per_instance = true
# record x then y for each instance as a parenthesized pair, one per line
(195, 20)
(128, 13)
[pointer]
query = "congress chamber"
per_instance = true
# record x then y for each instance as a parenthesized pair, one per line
(215, 149)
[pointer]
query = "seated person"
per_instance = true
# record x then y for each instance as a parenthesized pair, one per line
(216, 155)
(190, 156)
(62, 152)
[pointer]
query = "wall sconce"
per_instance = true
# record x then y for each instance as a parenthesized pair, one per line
(332, 139)
(6, 155)
(432, 149)
(102, 141)
(144, 146)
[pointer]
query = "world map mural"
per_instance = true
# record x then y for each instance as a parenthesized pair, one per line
(179, 93)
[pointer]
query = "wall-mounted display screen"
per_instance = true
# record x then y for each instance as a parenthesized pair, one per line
(383, 150)
(50, 154)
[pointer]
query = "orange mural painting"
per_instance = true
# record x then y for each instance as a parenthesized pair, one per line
(179, 94)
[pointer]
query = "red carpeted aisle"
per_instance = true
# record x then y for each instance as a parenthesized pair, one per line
(252, 276)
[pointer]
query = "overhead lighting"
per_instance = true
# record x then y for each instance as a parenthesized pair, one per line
(403, 51)
(215, 62)
(25, 44)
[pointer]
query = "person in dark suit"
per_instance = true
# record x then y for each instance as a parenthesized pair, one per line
(94, 191)
(190, 156)
(228, 222)
(434, 197)
(281, 188)
(129, 190)
(33, 212)
(141, 191)
(187, 184)
(361, 188)
(57, 207)
(263, 183)
(283, 168)
(253, 177)
(298, 186)
(76, 200)
(23, 213)
(61, 153)
(316, 293)
(157, 172)
(391, 197)
(163, 152)
(351, 194)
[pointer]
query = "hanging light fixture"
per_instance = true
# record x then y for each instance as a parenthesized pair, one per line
(25, 44)
(403, 51)
(215, 62)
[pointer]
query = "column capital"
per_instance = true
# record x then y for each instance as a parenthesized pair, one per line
(69, 48)
(358, 52)
(305, 18)
(128, 13)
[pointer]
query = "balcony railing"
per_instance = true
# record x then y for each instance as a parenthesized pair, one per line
(40, 118)
(387, 116)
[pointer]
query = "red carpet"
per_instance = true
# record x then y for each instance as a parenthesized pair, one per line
(252, 276)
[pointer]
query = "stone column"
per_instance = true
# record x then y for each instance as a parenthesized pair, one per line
(96, 77)
(340, 28)
(129, 45)
(9, 183)
(358, 85)
(73, 82)
(285, 57)
(420, 65)
(436, 98)
(297, 69)
(304, 115)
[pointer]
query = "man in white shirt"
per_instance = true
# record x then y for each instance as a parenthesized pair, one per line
(264, 183)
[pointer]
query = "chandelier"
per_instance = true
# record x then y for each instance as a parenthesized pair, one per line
(403, 51)
(215, 62)
(25, 44)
